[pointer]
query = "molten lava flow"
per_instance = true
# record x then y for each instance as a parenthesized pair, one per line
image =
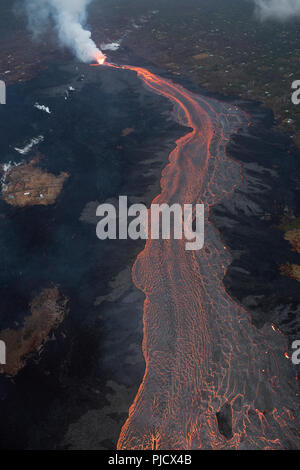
(206, 364)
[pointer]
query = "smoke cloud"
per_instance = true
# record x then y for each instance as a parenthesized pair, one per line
(69, 17)
(278, 9)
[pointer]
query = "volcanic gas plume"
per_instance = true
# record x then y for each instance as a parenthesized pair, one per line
(278, 9)
(69, 17)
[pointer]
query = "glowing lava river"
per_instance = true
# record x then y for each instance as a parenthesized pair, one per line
(212, 379)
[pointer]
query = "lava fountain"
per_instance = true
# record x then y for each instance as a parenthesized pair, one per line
(101, 59)
(212, 379)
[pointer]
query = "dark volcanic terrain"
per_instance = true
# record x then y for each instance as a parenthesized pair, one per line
(109, 136)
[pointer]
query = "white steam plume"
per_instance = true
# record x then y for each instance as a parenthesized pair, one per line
(69, 17)
(278, 9)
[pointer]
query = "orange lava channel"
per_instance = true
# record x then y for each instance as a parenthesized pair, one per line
(202, 353)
